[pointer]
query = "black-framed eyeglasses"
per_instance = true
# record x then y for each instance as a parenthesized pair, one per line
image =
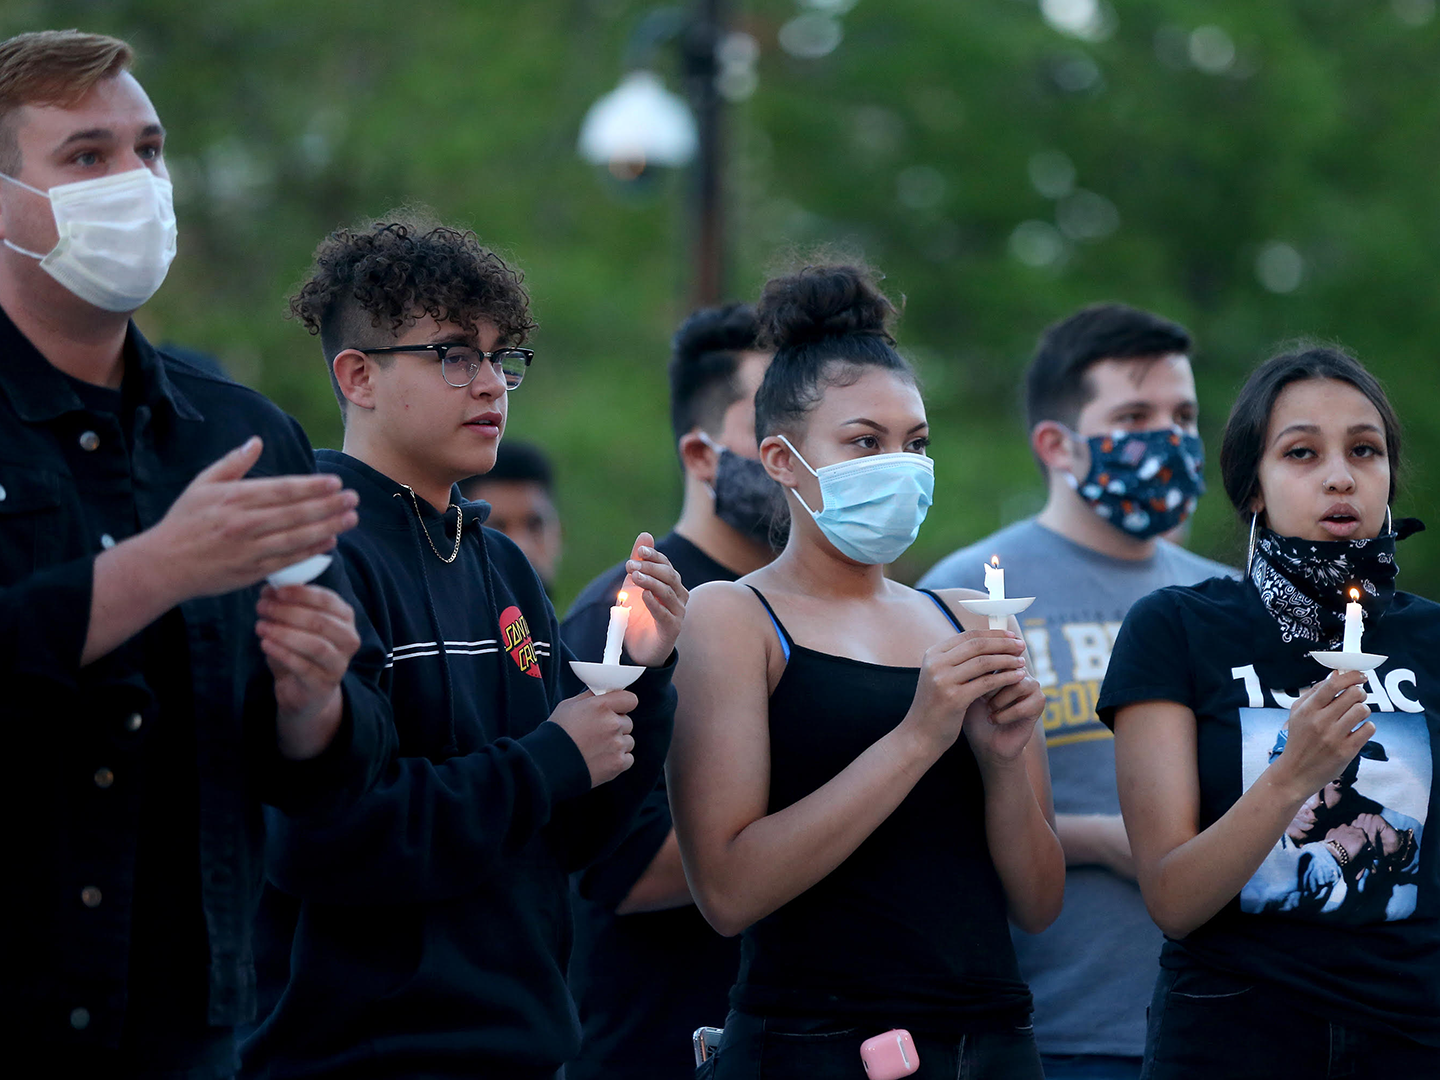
(459, 364)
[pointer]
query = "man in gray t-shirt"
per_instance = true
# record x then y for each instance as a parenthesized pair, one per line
(1112, 416)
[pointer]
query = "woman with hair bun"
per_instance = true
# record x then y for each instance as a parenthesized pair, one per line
(1276, 810)
(853, 776)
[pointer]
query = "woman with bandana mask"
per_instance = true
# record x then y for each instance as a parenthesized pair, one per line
(1297, 946)
(854, 780)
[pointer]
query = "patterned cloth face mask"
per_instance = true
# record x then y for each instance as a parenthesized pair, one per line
(746, 498)
(1305, 584)
(1143, 482)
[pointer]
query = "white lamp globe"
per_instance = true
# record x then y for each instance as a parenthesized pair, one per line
(636, 125)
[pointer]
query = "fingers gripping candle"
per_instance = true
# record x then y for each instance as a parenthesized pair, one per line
(615, 634)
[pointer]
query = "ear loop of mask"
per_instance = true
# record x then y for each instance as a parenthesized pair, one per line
(796, 491)
(713, 446)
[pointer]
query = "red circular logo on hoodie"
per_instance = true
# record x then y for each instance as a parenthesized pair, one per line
(515, 634)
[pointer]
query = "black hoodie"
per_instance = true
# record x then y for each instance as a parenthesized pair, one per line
(431, 923)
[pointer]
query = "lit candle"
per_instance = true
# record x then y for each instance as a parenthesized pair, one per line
(995, 579)
(615, 635)
(1353, 615)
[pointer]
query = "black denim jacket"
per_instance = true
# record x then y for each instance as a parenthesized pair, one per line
(71, 794)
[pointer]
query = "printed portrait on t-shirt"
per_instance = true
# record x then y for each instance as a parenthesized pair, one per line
(1352, 853)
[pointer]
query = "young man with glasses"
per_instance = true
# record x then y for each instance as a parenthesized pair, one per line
(426, 932)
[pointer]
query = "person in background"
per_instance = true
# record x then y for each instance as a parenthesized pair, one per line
(426, 931)
(648, 970)
(521, 492)
(1112, 412)
(1302, 919)
(156, 690)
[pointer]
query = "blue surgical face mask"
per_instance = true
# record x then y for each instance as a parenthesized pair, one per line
(1143, 482)
(874, 506)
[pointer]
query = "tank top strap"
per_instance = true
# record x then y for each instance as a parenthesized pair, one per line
(944, 607)
(779, 627)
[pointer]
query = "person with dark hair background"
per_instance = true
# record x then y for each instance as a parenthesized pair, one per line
(426, 931)
(521, 492)
(1302, 919)
(648, 970)
(1112, 415)
(826, 804)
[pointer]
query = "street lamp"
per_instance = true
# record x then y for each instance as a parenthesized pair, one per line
(640, 124)
(637, 125)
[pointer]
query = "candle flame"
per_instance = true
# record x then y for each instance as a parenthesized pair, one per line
(995, 561)
(622, 597)
(1355, 594)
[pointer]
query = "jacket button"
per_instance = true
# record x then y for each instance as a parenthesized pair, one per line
(104, 778)
(133, 722)
(80, 1019)
(90, 896)
(107, 541)
(89, 441)
(2, 492)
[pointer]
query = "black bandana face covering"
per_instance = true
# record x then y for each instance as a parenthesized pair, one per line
(749, 501)
(1305, 584)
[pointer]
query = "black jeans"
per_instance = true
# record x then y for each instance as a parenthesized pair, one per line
(818, 1049)
(1206, 1024)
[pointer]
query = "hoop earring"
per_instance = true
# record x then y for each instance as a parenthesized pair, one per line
(1388, 527)
(1250, 548)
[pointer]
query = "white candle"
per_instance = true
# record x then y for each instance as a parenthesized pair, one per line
(994, 578)
(1353, 616)
(615, 634)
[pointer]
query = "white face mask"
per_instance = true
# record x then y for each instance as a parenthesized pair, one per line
(116, 237)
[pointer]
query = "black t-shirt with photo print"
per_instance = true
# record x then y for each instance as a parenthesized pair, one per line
(1342, 920)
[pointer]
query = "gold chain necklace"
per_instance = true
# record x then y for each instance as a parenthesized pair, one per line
(458, 530)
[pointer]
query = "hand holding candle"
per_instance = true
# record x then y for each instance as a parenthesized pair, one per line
(656, 604)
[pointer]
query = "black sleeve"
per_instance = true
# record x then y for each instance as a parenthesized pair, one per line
(1151, 660)
(365, 741)
(608, 880)
(362, 747)
(41, 637)
(586, 827)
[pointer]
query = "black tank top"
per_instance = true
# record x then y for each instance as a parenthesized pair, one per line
(910, 930)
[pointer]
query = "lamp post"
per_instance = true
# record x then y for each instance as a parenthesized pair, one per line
(701, 71)
(640, 125)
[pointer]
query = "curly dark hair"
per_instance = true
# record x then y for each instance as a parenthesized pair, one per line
(827, 324)
(375, 279)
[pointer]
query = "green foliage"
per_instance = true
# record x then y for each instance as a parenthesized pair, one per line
(915, 142)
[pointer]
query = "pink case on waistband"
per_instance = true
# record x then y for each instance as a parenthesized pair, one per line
(889, 1056)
